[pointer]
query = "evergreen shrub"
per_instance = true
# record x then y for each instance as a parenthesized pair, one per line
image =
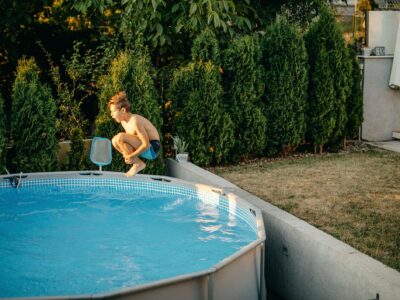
(244, 83)
(320, 113)
(202, 121)
(33, 121)
(205, 47)
(77, 160)
(354, 103)
(69, 115)
(285, 61)
(325, 39)
(130, 71)
(3, 140)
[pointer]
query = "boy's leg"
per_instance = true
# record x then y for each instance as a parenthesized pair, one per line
(126, 144)
(137, 166)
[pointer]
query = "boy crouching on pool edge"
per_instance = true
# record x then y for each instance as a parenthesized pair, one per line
(140, 139)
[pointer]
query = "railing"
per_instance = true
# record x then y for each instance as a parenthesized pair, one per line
(389, 4)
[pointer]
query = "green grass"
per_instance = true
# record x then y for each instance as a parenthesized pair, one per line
(353, 195)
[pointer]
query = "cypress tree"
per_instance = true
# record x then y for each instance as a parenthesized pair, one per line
(202, 121)
(130, 71)
(325, 39)
(3, 140)
(76, 156)
(342, 72)
(321, 117)
(205, 47)
(354, 103)
(285, 60)
(33, 121)
(243, 78)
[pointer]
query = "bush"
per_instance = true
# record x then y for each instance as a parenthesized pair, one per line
(354, 103)
(131, 72)
(69, 116)
(77, 160)
(301, 12)
(244, 82)
(320, 114)
(285, 61)
(205, 47)
(76, 82)
(325, 39)
(33, 121)
(3, 140)
(201, 120)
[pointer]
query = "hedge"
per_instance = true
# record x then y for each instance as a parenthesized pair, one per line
(201, 119)
(3, 140)
(243, 77)
(354, 103)
(33, 121)
(130, 71)
(205, 47)
(327, 57)
(285, 61)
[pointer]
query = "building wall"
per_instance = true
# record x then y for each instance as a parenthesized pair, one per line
(381, 103)
(382, 29)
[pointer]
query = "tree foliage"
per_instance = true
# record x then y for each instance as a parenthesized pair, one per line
(200, 119)
(131, 72)
(84, 37)
(205, 47)
(328, 57)
(3, 140)
(243, 76)
(285, 61)
(321, 93)
(301, 12)
(33, 121)
(69, 116)
(354, 103)
(170, 19)
(77, 160)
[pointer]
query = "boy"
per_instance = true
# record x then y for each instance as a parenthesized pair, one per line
(140, 139)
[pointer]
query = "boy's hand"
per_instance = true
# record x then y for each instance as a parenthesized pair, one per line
(129, 159)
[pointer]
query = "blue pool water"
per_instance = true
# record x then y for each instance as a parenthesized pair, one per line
(59, 240)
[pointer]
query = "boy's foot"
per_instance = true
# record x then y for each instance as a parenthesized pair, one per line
(136, 168)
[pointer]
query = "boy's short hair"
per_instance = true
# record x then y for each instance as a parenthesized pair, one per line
(120, 100)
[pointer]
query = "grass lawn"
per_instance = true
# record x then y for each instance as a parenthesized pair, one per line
(352, 195)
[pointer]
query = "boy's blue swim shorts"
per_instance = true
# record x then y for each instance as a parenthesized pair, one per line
(152, 152)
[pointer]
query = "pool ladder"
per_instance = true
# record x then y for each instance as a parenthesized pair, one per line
(15, 181)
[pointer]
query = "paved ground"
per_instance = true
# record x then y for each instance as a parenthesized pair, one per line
(393, 145)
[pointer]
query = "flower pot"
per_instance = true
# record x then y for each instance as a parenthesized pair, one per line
(366, 51)
(182, 157)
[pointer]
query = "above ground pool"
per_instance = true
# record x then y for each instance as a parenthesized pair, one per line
(99, 234)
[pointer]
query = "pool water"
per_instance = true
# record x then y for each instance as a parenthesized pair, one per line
(86, 240)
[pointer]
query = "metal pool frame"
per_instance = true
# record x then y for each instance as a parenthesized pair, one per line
(239, 276)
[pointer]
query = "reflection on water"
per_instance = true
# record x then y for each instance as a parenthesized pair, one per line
(70, 242)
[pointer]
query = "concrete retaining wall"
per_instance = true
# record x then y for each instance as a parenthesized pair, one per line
(303, 262)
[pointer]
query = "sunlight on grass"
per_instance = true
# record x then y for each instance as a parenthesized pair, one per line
(353, 195)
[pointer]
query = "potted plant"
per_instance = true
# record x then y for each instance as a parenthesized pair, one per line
(180, 147)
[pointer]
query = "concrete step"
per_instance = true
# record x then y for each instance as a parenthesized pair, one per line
(396, 134)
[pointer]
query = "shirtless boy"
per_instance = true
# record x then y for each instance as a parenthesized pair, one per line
(140, 139)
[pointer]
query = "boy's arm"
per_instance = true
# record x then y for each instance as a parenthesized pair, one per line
(143, 137)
